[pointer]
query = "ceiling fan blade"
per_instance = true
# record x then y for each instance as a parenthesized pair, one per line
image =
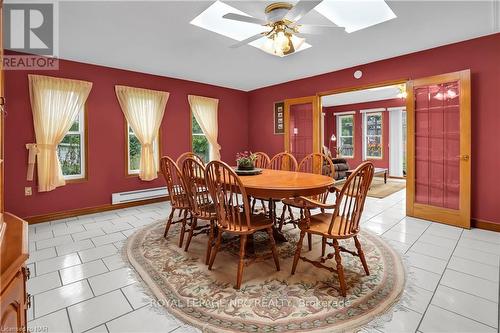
(243, 18)
(300, 9)
(317, 29)
(246, 41)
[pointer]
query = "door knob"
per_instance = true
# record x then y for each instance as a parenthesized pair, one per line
(464, 157)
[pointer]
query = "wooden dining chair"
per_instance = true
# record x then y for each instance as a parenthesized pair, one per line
(283, 161)
(178, 196)
(202, 207)
(342, 224)
(233, 213)
(315, 163)
(262, 162)
(185, 155)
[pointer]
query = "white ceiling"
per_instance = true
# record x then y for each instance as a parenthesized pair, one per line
(156, 37)
(361, 96)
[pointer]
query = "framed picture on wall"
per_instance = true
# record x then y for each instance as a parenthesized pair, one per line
(279, 111)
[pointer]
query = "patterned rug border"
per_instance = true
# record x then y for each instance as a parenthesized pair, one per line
(371, 319)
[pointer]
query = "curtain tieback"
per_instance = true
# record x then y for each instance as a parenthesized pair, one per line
(33, 150)
(147, 145)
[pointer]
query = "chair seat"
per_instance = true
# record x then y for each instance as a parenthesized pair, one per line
(320, 223)
(257, 222)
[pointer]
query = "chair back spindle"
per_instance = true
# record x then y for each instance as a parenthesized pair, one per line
(228, 195)
(283, 161)
(351, 200)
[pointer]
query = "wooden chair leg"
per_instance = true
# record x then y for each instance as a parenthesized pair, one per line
(215, 250)
(309, 241)
(210, 241)
(191, 231)
(361, 255)
(323, 246)
(340, 269)
(183, 228)
(169, 222)
(273, 248)
(241, 264)
(298, 250)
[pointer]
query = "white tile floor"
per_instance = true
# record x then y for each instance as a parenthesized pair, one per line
(81, 284)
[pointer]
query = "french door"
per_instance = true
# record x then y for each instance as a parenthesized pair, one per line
(439, 148)
(302, 126)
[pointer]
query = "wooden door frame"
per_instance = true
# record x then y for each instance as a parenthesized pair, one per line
(459, 217)
(314, 100)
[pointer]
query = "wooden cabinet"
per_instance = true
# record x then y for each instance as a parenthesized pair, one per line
(14, 274)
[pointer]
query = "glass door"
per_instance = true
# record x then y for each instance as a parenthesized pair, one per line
(302, 126)
(439, 132)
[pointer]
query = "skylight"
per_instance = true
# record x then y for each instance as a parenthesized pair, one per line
(211, 19)
(355, 15)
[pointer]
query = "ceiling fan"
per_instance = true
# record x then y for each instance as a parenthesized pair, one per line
(285, 35)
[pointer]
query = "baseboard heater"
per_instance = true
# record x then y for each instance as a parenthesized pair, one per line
(138, 195)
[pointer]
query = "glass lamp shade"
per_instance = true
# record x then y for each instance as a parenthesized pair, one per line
(333, 138)
(279, 44)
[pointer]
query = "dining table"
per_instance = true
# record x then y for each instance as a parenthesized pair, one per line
(275, 185)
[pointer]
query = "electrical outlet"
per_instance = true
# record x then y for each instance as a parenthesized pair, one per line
(28, 191)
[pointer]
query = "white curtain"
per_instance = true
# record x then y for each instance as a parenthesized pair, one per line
(205, 112)
(55, 104)
(144, 110)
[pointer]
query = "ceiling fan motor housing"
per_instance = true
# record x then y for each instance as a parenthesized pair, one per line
(276, 11)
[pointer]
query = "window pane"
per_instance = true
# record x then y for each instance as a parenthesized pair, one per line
(196, 127)
(69, 153)
(346, 147)
(201, 147)
(76, 125)
(374, 124)
(346, 123)
(373, 146)
(134, 152)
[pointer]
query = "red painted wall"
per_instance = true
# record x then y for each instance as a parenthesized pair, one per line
(480, 55)
(106, 137)
(331, 127)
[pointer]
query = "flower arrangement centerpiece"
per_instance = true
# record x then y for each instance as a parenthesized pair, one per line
(246, 160)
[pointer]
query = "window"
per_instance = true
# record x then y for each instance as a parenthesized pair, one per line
(345, 133)
(134, 151)
(199, 143)
(373, 135)
(71, 150)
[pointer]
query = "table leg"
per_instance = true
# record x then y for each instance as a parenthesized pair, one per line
(279, 237)
(385, 177)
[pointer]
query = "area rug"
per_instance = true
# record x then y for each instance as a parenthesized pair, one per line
(268, 301)
(380, 190)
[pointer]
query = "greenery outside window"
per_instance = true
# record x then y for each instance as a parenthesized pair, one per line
(71, 150)
(199, 142)
(373, 135)
(134, 152)
(345, 131)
